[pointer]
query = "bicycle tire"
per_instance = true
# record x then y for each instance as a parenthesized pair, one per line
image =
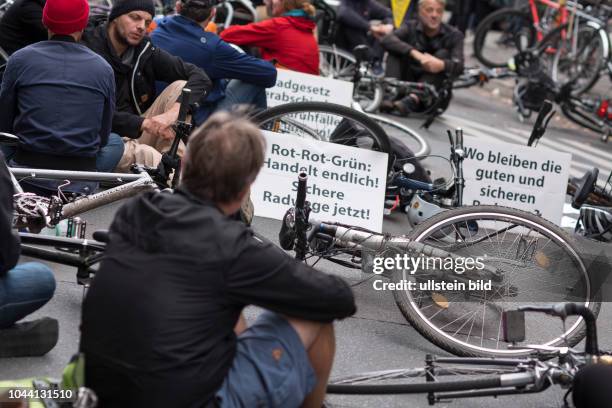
(486, 26)
(403, 132)
(436, 225)
(585, 82)
(379, 139)
(339, 64)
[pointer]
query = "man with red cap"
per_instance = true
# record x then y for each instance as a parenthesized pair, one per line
(143, 120)
(58, 97)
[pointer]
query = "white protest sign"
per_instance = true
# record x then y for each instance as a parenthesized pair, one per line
(345, 184)
(516, 176)
(292, 86)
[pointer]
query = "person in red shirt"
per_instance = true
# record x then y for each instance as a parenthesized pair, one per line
(288, 37)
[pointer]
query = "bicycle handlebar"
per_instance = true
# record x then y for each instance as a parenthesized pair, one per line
(563, 310)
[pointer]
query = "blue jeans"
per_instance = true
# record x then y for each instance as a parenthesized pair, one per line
(108, 157)
(106, 160)
(238, 93)
(23, 290)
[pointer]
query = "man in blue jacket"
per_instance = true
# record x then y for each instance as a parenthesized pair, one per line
(237, 78)
(58, 97)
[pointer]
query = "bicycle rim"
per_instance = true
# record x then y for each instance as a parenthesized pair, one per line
(336, 63)
(408, 136)
(537, 261)
(326, 122)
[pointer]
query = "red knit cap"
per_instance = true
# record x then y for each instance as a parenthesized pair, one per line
(65, 16)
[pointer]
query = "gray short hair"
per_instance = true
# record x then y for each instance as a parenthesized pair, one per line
(442, 2)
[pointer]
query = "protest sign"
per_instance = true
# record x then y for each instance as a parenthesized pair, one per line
(292, 86)
(345, 184)
(516, 176)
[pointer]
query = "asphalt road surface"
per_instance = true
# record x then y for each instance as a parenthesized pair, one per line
(377, 337)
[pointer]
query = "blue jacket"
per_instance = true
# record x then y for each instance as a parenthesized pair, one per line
(186, 39)
(58, 97)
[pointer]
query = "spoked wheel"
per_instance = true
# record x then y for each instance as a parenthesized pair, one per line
(327, 122)
(503, 34)
(575, 55)
(339, 64)
(523, 257)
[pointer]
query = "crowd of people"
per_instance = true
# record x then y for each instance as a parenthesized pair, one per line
(102, 95)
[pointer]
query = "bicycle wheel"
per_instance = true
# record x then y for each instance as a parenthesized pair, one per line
(339, 64)
(576, 55)
(501, 35)
(327, 122)
(534, 260)
(411, 138)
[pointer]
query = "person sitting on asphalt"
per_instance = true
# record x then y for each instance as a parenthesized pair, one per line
(21, 25)
(288, 38)
(423, 50)
(193, 270)
(183, 35)
(356, 27)
(143, 120)
(58, 97)
(24, 288)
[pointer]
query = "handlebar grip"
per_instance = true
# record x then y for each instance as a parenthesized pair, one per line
(185, 100)
(301, 191)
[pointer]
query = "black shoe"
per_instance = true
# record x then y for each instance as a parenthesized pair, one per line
(406, 106)
(35, 338)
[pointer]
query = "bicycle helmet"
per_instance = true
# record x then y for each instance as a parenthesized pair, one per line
(595, 223)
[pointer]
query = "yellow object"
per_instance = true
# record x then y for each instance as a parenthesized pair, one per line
(211, 27)
(440, 300)
(399, 8)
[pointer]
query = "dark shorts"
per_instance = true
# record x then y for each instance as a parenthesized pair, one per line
(271, 367)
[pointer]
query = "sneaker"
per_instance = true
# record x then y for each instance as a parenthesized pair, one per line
(28, 339)
(406, 106)
(377, 70)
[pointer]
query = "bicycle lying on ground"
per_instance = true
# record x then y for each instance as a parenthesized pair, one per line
(524, 258)
(445, 379)
(370, 90)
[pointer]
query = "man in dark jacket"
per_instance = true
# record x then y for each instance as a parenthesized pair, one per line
(355, 25)
(22, 25)
(160, 320)
(23, 288)
(424, 50)
(58, 97)
(144, 121)
(238, 78)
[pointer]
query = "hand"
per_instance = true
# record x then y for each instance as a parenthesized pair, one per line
(161, 125)
(380, 30)
(432, 64)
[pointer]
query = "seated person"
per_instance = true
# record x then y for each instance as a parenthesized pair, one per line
(288, 37)
(183, 35)
(22, 25)
(143, 120)
(355, 27)
(58, 97)
(423, 50)
(23, 288)
(193, 270)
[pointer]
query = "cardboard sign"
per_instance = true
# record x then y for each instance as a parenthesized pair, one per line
(345, 184)
(516, 176)
(292, 86)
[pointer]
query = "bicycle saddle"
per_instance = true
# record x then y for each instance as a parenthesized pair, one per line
(584, 186)
(362, 53)
(8, 139)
